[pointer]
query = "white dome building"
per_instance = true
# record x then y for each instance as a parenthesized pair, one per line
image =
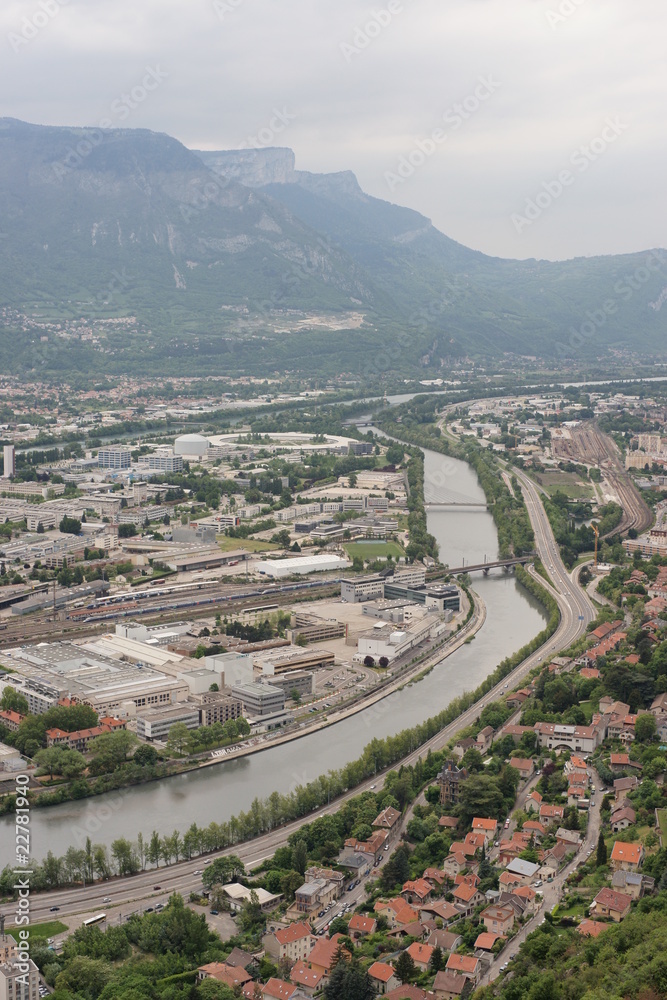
(191, 446)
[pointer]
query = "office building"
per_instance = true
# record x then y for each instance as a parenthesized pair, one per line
(155, 724)
(9, 456)
(114, 456)
(259, 700)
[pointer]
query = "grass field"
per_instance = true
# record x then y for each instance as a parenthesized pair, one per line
(662, 820)
(248, 544)
(45, 930)
(567, 482)
(373, 549)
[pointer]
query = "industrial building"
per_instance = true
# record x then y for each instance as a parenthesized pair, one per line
(50, 671)
(301, 565)
(217, 706)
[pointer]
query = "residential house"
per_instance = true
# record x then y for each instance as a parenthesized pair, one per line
(570, 838)
(448, 985)
(465, 965)
(525, 895)
(498, 919)
(420, 954)
(623, 787)
(550, 814)
(396, 911)
(278, 989)
(418, 892)
(612, 904)
(407, 992)
(486, 940)
(293, 942)
(535, 829)
(462, 746)
(448, 822)
(389, 820)
(626, 857)
(441, 909)
(631, 883)
(371, 848)
(517, 732)
(435, 877)
(450, 780)
(231, 976)
(484, 739)
(525, 767)
(11, 720)
(359, 926)
(486, 826)
(383, 977)
(591, 928)
(306, 978)
(552, 860)
(525, 870)
(455, 862)
(533, 802)
(466, 898)
(323, 953)
(444, 940)
(517, 698)
(582, 739)
(622, 817)
(476, 840)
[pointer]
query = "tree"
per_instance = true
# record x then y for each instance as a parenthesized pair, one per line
(436, 960)
(601, 856)
(126, 530)
(300, 856)
(13, 701)
(405, 967)
(369, 661)
(145, 756)
(384, 662)
(223, 870)
(60, 760)
(646, 728)
(70, 525)
(281, 538)
(348, 981)
(110, 751)
(178, 739)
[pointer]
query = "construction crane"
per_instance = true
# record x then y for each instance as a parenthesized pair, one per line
(597, 535)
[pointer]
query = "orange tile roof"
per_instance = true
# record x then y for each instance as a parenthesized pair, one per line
(296, 931)
(279, 989)
(591, 928)
(462, 963)
(480, 823)
(302, 975)
(486, 940)
(381, 971)
(629, 853)
(365, 925)
(419, 952)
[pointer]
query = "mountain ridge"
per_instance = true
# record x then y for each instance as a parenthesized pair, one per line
(236, 258)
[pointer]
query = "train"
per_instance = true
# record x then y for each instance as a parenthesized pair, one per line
(128, 605)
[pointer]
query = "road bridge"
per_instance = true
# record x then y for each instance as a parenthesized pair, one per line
(498, 564)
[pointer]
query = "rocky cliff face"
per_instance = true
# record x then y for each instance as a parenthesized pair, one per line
(252, 167)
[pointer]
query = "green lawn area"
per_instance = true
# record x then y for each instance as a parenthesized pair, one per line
(45, 930)
(373, 549)
(228, 544)
(588, 710)
(662, 820)
(567, 482)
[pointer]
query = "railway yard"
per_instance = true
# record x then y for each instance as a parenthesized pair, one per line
(586, 444)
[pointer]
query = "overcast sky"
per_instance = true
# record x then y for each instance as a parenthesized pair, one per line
(551, 113)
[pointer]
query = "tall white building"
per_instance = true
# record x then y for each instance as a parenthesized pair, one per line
(19, 976)
(9, 455)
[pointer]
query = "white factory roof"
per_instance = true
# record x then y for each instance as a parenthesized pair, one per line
(302, 563)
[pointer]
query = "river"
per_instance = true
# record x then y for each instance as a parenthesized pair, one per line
(465, 535)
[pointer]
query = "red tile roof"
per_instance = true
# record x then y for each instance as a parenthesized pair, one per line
(381, 971)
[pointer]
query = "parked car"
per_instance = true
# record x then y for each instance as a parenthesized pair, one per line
(157, 888)
(54, 909)
(214, 913)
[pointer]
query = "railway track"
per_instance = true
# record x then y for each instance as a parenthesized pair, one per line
(590, 446)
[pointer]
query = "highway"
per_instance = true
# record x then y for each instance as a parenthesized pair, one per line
(577, 611)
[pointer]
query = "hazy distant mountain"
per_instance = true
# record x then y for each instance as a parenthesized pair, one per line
(122, 249)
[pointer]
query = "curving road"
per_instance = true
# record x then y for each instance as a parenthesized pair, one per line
(131, 893)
